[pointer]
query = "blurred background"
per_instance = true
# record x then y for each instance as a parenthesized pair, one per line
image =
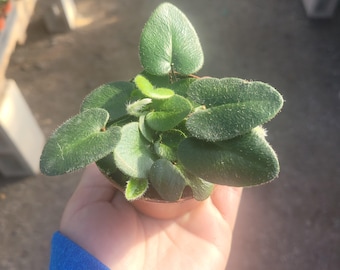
(291, 223)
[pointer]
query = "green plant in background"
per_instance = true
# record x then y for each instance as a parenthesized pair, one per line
(168, 132)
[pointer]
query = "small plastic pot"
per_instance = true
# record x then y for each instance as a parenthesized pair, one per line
(151, 204)
(163, 209)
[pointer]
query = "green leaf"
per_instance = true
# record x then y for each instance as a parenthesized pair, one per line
(243, 161)
(167, 180)
(108, 167)
(78, 142)
(179, 86)
(166, 146)
(169, 38)
(149, 91)
(168, 113)
(146, 131)
(136, 188)
(132, 154)
(157, 81)
(233, 107)
(112, 97)
(138, 107)
(107, 164)
(143, 84)
(201, 189)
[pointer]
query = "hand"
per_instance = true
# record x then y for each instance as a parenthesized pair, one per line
(99, 219)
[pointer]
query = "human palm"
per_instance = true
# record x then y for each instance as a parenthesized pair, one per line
(99, 219)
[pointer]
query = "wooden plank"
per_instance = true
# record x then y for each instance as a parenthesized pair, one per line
(15, 31)
(21, 139)
(8, 39)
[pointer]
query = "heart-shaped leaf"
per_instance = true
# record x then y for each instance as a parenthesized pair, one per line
(243, 161)
(112, 97)
(136, 188)
(167, 180)
(167, 39)
(233, 107)
(78, 142)
(132, 154)
(168, 113)
(149, 91)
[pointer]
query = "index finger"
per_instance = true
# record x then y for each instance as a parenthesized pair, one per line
(227, 200)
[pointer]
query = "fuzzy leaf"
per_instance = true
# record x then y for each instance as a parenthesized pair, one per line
(112, 97)
(166, 146)
(157, 81)
(149, 91)
(108, 167)
(169, 38)
(107, 164)
(78, 142)
(132, 155)
(167, 180)
(233, 107)
(168, 113)
(243, 161)
(136, 188)
(201, 189)
(180, 85)
(138, 107)
(146, 131)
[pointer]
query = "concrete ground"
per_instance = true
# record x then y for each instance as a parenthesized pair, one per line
(291, 223)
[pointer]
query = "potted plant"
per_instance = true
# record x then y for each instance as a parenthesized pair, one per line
(168, 134)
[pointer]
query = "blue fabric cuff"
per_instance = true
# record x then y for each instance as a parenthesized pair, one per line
(65, 254)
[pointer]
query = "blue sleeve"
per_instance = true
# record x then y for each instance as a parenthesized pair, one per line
(65, 254)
